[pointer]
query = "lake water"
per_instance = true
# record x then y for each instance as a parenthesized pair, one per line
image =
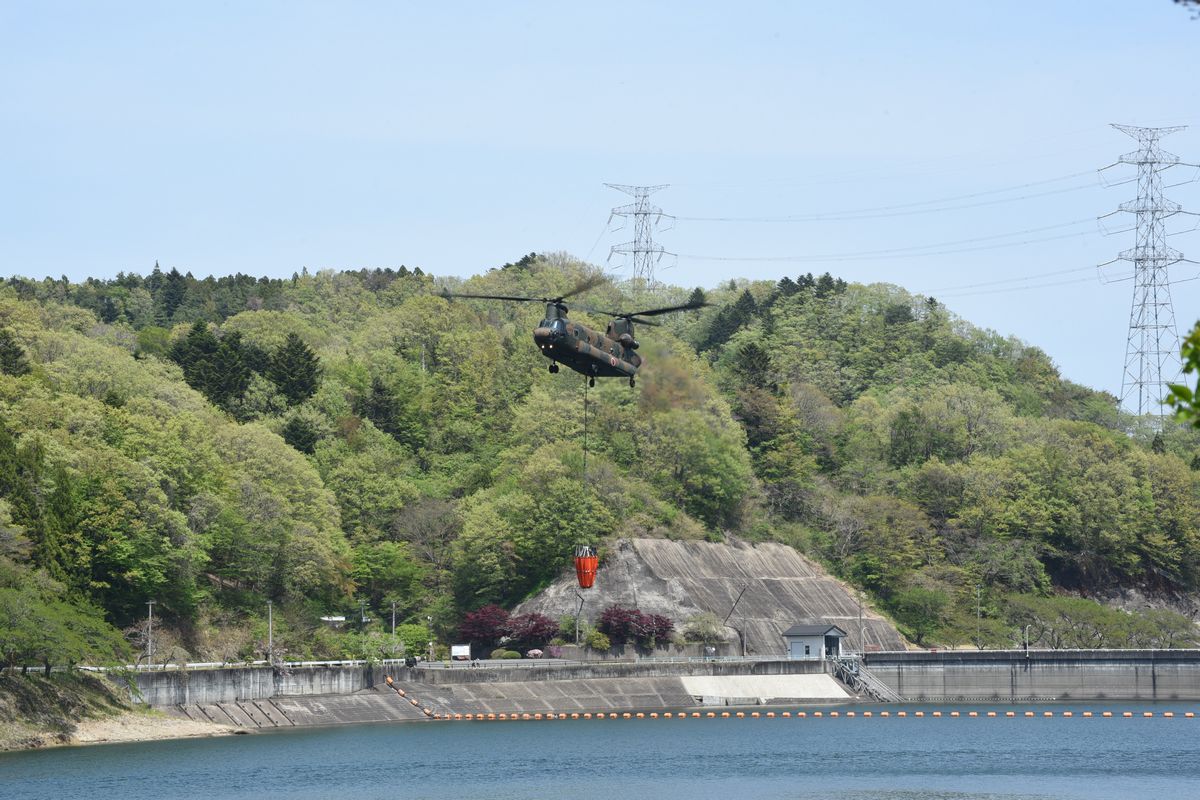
(840, 759)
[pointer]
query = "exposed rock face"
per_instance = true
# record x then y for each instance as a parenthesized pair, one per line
(682, 579)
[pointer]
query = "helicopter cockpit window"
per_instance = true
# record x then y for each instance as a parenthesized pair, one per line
(558, 328)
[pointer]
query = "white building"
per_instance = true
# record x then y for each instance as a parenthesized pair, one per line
(814, 641)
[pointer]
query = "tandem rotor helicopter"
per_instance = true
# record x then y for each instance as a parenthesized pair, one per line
(588, 352)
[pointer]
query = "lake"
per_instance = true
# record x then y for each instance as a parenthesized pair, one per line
(839, 758)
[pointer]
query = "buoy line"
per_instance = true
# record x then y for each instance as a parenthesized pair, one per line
(932, 714)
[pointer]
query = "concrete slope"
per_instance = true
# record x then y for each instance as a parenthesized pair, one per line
(769, 688)
(682, 579)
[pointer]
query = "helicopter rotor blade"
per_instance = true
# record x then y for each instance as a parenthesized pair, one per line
(499, 297)
(584, 285)
(638, 321)
(653, 312)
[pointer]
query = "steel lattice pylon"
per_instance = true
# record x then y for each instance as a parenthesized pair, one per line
(645, 254)
(1152, 349)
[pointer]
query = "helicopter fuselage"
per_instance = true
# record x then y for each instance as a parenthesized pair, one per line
(584, 350)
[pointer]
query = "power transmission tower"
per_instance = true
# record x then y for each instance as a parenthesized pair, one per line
(1152, 349)
(644, 253)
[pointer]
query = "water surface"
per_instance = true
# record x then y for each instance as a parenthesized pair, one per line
(842, 759)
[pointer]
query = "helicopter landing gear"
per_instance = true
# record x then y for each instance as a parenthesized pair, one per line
(553, 369)
(631, 381)
(591, 380)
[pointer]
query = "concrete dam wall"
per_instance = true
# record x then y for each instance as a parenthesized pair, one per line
(682, 579)
(1014, 676)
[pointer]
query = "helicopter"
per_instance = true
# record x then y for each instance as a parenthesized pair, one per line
(612, 354)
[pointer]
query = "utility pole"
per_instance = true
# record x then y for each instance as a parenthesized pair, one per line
(150, 632)
(644, 253)
(978, 615)
(270, 634)
(393, 629)
(1152, 347)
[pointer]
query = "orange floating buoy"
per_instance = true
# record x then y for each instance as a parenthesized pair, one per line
(724, 714)
(787, 714)
(901, 713)
(626, 715)
(954, 713)
(770, 715)
(1189, 714)
(653, 715)
(866, 713)
(817, 714)
(1010, 713)
(1029, 713)
(1087, 713)
(574, 715)
(937, 713)
(491, 716)
(1127, 714)
(639, 715)
(613, 715)
(710, 714)
(1106, 714)
(536, 716)
(991, 713)
(1168, 713)
(1068, 714)
(1047, 713)
(917, 714)
(696, 714)
(849, 713)
(834, 714)
(972, 713)
(800, 714)
(1147, 713)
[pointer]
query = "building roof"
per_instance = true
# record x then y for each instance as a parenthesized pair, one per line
(819, 629)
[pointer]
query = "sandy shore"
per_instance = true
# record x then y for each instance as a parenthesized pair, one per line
(135, 726)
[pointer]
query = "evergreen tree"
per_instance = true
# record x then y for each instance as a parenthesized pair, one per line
(295, 370)
(12, 356)
(173, 293)
(825, 285)
(786, 286)
(380, 406)
(697, 297)
(301, 434)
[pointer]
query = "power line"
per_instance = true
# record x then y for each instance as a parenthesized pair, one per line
(903, 252)
(908, 209)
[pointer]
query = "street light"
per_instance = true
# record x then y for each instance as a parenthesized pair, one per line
(1027, 640)
(393, 629)
(429, 626)
(150, 633)
(270, 634)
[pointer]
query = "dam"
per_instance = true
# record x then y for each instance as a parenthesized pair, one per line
(355, 692)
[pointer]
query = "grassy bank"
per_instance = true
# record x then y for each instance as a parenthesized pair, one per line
(39, 710)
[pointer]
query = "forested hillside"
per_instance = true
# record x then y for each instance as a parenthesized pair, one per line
(341, 442)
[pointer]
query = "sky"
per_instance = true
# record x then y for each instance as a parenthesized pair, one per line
(949, 148)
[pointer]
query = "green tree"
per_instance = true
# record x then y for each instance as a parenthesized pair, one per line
(295, 370)
(13, 360)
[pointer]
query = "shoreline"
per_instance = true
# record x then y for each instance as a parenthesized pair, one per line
(122, 728)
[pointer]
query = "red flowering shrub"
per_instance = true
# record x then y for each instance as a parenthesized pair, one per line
(484, 626)
(623, 625)
(530, 630)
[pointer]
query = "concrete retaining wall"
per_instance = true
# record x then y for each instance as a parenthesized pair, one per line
(1041, 675)
(184, 687)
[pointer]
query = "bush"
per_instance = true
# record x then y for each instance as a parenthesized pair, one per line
(510, 654)
(530, 630)
(498, 652)
(598, 641)
(484, 626)
(623, 625)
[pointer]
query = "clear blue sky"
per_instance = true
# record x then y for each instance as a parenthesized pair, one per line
(263, 137)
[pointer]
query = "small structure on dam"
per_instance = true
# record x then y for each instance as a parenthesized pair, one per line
(814, 640)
